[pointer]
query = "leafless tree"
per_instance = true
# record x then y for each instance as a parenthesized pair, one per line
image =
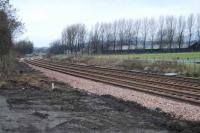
(102, 35)
(71, 33)
(144, 31)
(166, 31)
(198, 27)
(171, 29)
(181, 31)
(190, 27)
(121, 26)
(161, 31)
(114, 34)
(136, 29)
(94, 39)
(80, 38)
(64, 37)
(24, 47)
(152, 31)
(129, 32)
(56, 47)
(108, 35)
(74, 37)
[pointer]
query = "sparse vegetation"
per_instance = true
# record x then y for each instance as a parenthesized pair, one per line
(167, 56)
(156, 63)
(7, 65)
(182, 63)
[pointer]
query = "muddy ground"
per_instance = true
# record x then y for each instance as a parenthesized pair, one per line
(28, 105)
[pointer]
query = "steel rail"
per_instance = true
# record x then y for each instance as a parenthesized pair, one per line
(179, 78)
(132, 77)
(192, 98)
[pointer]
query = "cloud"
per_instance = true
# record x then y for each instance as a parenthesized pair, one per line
(45, 19)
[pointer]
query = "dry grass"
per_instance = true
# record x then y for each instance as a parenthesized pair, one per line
(3, 84)
(34, 79)
(137, 64)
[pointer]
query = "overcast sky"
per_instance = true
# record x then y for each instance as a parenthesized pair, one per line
(45, 19)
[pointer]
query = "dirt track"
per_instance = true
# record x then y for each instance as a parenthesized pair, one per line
(29, 107)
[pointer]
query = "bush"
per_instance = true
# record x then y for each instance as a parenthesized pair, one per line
(7, 65)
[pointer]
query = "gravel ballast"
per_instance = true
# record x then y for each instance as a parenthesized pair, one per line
(181, 110)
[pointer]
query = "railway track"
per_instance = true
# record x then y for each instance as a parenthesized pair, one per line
(139, 76)
(186, 80)
(171, 87)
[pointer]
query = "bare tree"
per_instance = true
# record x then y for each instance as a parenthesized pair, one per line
(190, 26)
(136, 29)
(102, 35)
(167, 32)
(108, 35)
(80, 37)
(74, 37)
(64, 37)
(171, 29)
(144, 31)
(181, 31)
(64, 41)
(129, 33)
(94, 39)
(121, 26)
(114, 33)
(56, 47)
(152, 31)
(24, 47)
(198, 28)
(71, 32)
(161, 31)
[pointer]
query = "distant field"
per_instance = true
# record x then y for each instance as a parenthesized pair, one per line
(186, 64)
(189, 55)
(187, 61)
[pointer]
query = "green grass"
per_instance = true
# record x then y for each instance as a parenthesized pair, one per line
(191, 68)
(61, 56)
(185, 67)
(189, 55)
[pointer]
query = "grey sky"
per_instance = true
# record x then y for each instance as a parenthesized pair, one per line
(45, 19)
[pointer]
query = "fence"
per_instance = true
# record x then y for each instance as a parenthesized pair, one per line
(174, 50)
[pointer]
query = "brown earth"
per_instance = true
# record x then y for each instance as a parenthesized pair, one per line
(28, 105)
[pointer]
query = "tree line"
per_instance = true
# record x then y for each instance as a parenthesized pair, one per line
(24, 47)
(10, 28)
(165, 32)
